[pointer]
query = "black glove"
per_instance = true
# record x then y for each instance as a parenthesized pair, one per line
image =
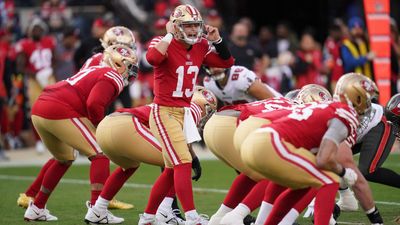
(196, 169)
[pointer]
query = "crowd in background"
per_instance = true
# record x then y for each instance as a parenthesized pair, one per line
(280, 57)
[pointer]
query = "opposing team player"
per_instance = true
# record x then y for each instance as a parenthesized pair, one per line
(65, 116)
(126, 139)
(222, 127)
(114, 35)
(292, 141)
(237, 85)
(177, 58)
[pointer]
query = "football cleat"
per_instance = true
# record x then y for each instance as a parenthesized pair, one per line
(178, 216)
(144, 220)
(169, 217)
(249, 219)
(115, 204)
(33, 213)
(199, 220)
(216, 219)
(347, 201)
(23, 200)
(94, 216)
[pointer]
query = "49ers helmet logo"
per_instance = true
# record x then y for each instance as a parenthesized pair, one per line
(367, 86)
(177, 13)
(323, 96)
(208, 97)
(118, 32)
(123, 52)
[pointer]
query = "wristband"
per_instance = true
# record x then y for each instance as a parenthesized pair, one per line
(217, 41)
(168, 38)
(341, 174)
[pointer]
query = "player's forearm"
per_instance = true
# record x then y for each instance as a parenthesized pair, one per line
(326, 157)
(222, 48)
(163, 45)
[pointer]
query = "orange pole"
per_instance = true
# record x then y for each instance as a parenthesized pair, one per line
(378, 25)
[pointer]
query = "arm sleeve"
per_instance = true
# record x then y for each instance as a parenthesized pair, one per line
(349, 62)
(222, 49)
(337, 131)
(101, 95)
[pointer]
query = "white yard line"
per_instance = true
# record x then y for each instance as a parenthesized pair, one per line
(144, 186)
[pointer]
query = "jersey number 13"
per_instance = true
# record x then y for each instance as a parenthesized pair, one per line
(191, 71)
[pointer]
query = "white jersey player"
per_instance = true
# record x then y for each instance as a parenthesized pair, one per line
(237, 85)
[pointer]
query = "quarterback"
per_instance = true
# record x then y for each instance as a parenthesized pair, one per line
(177, 58)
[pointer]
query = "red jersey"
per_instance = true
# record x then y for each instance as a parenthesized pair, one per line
(86, 94)
(305, 125)
(39, 54)
(259, 107)
(332, 55)
(142, 113)
(95, 60)
(175, 73)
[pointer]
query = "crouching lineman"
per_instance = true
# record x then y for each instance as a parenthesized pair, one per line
(65, 116)
(126, 139)
(237, 85)
(251, 198)
(114, 35)
(283, 151)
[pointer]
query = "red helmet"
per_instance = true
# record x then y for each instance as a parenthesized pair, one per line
(392, 110)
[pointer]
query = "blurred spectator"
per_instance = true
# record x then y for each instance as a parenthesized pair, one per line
(64, 53)
(159, 26)
(252, 38)
(355, 52)
(280, 76)
(214, 19)
(92, 43)
(286, 39)
(268, 42)
(54, 13)
(394, 57)
(35, 56)
(310, 54)
(332, 60)
(245, 54)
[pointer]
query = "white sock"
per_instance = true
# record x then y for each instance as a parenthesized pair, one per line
(290, 217)
(265, 209)
(223, 209)
(101, 204)
(344, 192)
(242, 210)
(166, 203)
(148, 216)
(192, 214)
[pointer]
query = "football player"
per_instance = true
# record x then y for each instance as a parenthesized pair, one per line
(35, 61)
(301, 148)
(177, 58)
(65, 116)
(237, 85)
(126, 139)
(222, 126)
(114, 35)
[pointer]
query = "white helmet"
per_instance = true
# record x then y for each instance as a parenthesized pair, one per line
(118, 35)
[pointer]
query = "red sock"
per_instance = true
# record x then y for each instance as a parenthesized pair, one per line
(50, 180)
(99, 172)
(272, 192)
(35, 186)
(283, 204)
(305, 201)
(183, 185)
(159, 190)
(324, 203)
(171, 192)
(240, 187)
(115, 182)
(18, 122)
(255, 196)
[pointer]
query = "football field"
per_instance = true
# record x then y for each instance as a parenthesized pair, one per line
(68, 200)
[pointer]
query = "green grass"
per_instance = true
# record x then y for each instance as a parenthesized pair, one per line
(68, 200)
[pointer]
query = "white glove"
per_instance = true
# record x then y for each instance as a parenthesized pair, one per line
(43, 75)
(370, 55)
(350, 176)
